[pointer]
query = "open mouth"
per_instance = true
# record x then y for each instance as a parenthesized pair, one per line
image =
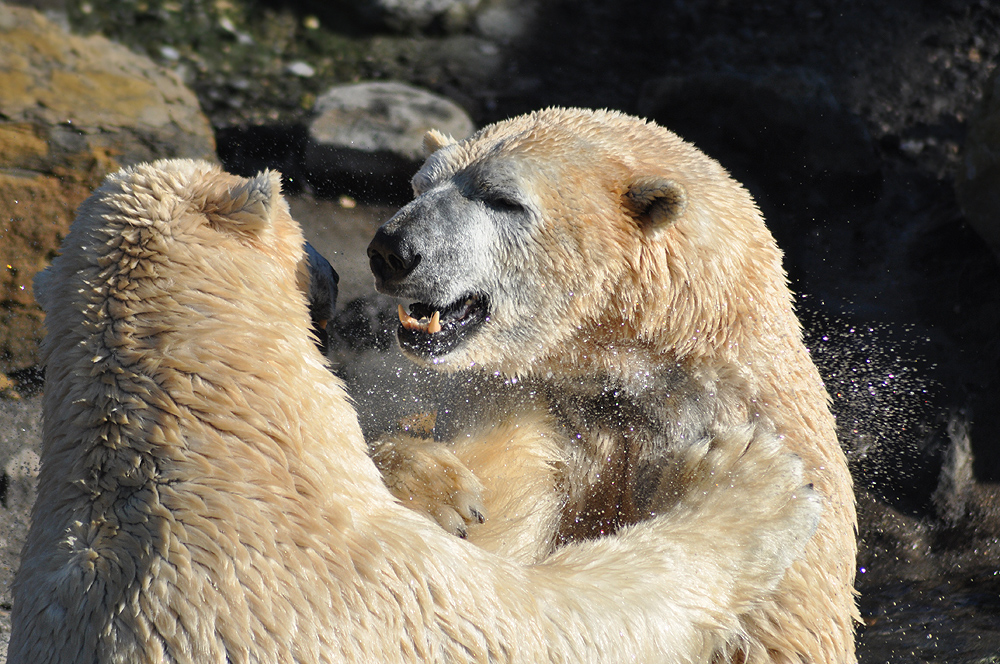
(429, 331)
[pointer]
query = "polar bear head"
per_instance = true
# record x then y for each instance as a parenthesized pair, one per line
(177, 208)
(566, 234)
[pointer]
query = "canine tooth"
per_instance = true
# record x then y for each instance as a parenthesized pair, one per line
(424, 325)
(407, 321)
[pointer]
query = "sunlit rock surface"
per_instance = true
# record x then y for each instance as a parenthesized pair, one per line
(72, 109)
(367, 137)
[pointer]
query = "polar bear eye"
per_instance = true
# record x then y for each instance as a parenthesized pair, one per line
(495, 187)
(502, 201)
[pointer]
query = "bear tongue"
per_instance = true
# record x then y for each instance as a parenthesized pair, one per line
(430, 325)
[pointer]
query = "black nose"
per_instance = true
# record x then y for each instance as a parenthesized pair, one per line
(391, 257)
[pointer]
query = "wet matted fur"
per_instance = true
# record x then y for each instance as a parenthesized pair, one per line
(205, 493)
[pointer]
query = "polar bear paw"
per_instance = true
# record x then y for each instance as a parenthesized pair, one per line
(427, 477)
(749, 486)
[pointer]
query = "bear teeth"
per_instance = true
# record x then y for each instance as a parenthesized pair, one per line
(430, 325)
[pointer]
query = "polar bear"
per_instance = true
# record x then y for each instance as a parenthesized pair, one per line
(206, 494)
(619, 301)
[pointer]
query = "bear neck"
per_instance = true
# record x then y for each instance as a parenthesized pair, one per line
(739, 354)
(639, 353)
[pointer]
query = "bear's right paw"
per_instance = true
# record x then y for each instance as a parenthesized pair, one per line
(427, 477)
(763, 502)
(745, 505)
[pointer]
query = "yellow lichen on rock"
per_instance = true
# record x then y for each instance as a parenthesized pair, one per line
(74, 109)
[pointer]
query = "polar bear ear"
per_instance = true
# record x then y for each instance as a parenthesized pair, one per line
(247, 206)
(435, 140)
(655, 201)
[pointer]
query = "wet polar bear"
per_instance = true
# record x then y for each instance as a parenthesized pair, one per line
(621, 303)
(206, 495)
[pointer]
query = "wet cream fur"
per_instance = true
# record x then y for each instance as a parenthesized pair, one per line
(650, 274)
(206, 496)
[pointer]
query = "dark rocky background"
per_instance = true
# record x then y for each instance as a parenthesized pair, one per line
(847, 120)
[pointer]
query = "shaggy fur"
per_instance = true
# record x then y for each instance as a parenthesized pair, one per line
(597, 269)
(205, 493)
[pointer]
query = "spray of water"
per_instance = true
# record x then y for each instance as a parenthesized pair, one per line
(893, 418)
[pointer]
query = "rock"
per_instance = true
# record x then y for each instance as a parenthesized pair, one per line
(72, 109)
(389, 117)
(366, 139)
(505, 22)
(22, 466)
(8, 389)
(978, 181)
(957, 480)
(20, 449)
(416, 15)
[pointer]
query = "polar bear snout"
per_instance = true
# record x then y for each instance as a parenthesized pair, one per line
(391, 258)
(438, 252)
